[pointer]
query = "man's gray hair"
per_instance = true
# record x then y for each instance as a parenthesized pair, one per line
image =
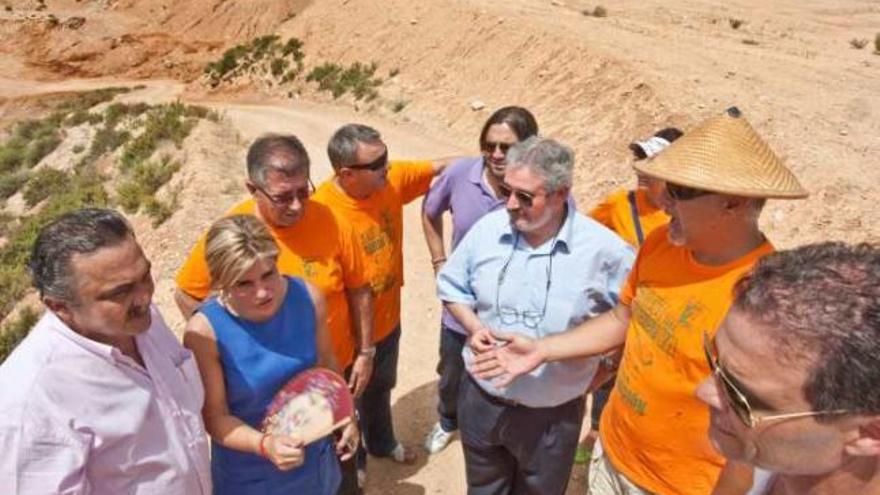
(548, 158)
(283, 153)
(342, 148)
(78, 232)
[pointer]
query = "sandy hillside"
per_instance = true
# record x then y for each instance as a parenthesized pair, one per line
(595, 83)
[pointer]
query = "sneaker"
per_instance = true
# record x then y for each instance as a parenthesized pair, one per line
(437, 439)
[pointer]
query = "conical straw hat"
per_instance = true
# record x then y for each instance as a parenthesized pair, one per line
(725, 155)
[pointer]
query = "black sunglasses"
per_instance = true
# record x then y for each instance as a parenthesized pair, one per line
(684, 193)
(490, 147)
(301, 194)
(525, 198)
(377, 164)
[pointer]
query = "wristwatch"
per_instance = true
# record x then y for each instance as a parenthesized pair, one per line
(368, 351)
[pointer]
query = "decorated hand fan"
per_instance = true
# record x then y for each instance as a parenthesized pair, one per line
(310, 406)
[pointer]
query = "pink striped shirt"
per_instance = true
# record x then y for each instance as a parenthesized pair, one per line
(78, 416)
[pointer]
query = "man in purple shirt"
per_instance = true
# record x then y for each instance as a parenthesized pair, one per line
(100, 398)
(468, 189)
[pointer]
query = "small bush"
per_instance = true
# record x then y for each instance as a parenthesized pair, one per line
(600, 11)
(145, 179)
(43, 184)
(11, 182)
(15, 331)
(160, 211)
(749, 41)
(41, 147)
(82, 117)
(736, 23)
(877, 44)
(858, 43)
(393, 72)
(172, 121)
(88, 99)
(357, 78)
(12, 155)
(398, 106)
(77, 149)
(278, 66)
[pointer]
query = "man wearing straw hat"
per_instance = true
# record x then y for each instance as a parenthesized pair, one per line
(653, 430)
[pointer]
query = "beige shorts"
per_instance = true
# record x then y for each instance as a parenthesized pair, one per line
(606, 480)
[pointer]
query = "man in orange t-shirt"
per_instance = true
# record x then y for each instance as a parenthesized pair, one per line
(653, 431)
(633, 214)
(369, 193)
(312, 245)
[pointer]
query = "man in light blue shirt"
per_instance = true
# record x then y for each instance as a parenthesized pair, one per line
(536, 269)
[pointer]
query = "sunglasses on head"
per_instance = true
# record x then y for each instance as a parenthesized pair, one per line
(525, 198)
(684, 193)
(377, 164)
(490, 147)
(738, 401)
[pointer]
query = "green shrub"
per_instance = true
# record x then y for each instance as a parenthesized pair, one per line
(160, 211)
(39, 148)
(144, 180)
(82, 117)
(44, 183)
(278, 66)
(88, 99)
(12, 155)
(357, 78)
(11, 182)
(398, 105)
(858, 43)
(172, 122)
(15, 331)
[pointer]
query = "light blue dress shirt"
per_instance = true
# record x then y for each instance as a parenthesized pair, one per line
(494, 267)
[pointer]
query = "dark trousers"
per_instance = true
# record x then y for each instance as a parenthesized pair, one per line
(600, 398)
(511, 449)
(374, 406)
(349, 483)
(450, 368)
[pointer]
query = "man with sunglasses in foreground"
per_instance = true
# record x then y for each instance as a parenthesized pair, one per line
(537, 268)
(796, 371)
(652, 432)
(312, 244)
(368, 193)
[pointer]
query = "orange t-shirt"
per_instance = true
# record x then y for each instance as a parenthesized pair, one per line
(615, 213)
(654, 427)
(317, 248)
(378, 222)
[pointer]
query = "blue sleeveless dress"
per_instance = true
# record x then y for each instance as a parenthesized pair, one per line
(257, 359)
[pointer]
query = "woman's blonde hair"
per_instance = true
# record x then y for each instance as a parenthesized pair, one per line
(232, 247)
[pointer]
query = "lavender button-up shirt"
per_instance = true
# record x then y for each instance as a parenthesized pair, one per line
(78, 416)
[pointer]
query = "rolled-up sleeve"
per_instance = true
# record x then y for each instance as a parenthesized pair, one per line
(438, 197)
(454, 280)
(39, 460)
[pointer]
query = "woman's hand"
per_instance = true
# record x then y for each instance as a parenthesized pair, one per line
(348, 441)
(285, 452)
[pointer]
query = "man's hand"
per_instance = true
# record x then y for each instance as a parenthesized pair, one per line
(361, 371)
(482, 341)
(347, 444)
(512, 356)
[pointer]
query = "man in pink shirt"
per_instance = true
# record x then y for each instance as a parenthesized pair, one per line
(100, 397)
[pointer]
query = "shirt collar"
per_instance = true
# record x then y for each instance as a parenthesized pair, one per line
(563, 239)
(104, 351)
